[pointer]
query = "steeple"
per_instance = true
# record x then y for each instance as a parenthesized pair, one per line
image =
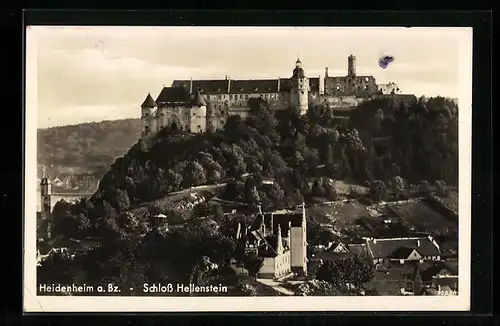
(279, 241)
(45, 180)
(148, 102)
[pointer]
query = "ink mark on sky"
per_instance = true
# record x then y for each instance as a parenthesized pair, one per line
(385, 60)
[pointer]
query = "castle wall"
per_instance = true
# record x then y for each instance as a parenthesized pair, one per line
(178, 116)
(359, 86)
(388, 88)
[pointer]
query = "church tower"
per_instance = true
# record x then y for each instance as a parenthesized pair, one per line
(148, 118)
(299, 93)
(46, 204)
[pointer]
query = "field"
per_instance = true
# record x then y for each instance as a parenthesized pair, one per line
(340, 216)
(425, 219)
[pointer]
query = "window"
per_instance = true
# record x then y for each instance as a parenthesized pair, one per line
(194, 114)
(338, 87)
(302, 92)
(366, 86)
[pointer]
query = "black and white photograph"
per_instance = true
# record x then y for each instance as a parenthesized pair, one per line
(247, 168)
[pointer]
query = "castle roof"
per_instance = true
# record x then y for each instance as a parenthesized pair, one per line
(298, 72)
(148, 102)
(173, 95)
(242, 86)
(198, 99)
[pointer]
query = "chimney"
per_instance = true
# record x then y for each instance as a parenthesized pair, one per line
(191, 86)
(279, 80)
(228, 84)
(326, 72)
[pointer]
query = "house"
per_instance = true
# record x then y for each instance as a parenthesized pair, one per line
(415, 278)
(280, 238)
(403, 249)
(393, 278)
(57, 182)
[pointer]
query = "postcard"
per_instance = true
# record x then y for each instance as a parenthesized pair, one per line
(247, 169)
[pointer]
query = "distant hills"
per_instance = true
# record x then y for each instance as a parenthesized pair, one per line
(86, 147)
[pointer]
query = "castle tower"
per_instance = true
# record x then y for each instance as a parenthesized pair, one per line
(351, 66)
(46, 204)
(198, 114)
(149, 123)
(299, 93)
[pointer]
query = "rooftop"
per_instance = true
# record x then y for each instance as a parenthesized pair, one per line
(385, 248)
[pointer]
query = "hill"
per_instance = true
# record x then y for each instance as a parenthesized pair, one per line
(86, 147)
(387, 146)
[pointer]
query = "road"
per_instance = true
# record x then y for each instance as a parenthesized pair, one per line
(275, 285)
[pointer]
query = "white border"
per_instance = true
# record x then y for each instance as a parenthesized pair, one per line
(33, 303)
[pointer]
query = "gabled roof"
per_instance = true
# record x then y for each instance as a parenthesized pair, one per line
(148, 102)
(402, 252)
(174, 95)
(383, 248)
(433, 270)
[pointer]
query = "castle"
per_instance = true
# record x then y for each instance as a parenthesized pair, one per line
(196, 106)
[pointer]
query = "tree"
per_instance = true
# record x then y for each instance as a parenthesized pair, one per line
(133, 225)
(318, 189)
(331, 191)
(424, 187)
(399, 188)
(441, 188)
(317, 288)
(195, 175)
(253, 264)
(174, 180)
(121, 200)
(344, 272)
(378, 191)
(251, 192)
(213, 176)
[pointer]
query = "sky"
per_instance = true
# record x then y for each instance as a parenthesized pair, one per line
(86, 74)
